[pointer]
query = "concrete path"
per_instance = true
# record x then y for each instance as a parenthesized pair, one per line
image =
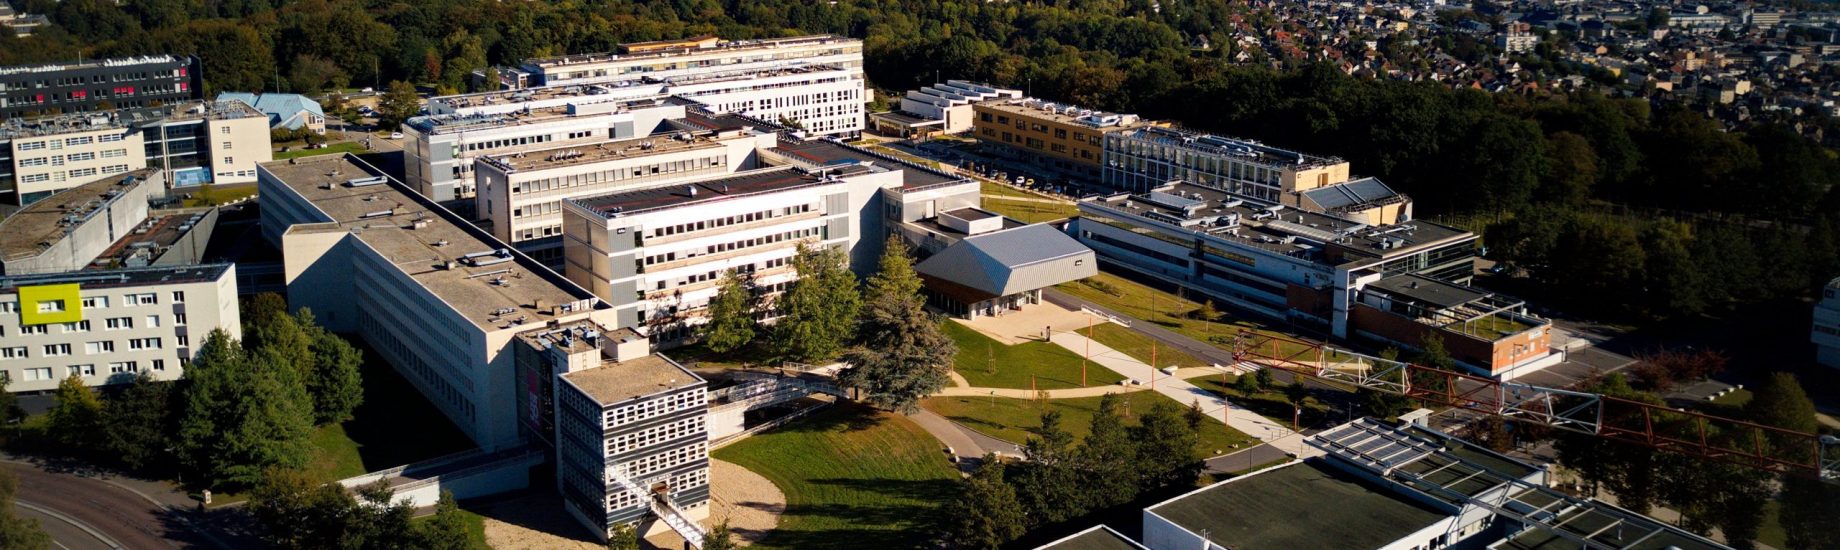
(1246, 421)
(968, 447)
(1013, 393)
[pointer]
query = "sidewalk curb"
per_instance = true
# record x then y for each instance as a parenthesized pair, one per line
(74, 522)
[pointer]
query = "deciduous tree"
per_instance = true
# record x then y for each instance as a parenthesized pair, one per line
(75, 422)
(140, 422)
(1047, 481)
(18, 532)
(1107, 458)
(986, 513)
(820, 309)
(731, 315)
(1166, 448)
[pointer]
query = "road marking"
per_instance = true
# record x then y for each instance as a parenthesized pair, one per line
(74, 522)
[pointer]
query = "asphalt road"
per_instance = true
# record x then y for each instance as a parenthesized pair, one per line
(64, 534)
(115, 513)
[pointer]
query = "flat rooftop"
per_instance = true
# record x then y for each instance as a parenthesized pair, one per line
(1063, 113)
(730, 47)
(1428, 291)
(613, 382)
(1096, 538)
(1241, 148)
(1208, 210)
(420, 238)
(606, 151)
(1301, 505)
(69, 123)
(90, 64)
(672, 196)
(124, 277)
(155, 235)
(1608, 527)
(544, 103)
(25, 233)
(824, 153)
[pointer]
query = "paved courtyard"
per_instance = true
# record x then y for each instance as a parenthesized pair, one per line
(1027, 324)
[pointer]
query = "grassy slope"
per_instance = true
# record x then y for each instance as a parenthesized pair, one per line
(1015, 420)
(394, 425)
(853, 478)
(1137, 345)
(1050, 365)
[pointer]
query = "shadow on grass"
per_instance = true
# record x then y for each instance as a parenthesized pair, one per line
(395, 425)
(848, 415)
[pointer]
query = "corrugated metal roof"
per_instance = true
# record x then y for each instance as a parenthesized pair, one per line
(987, 263)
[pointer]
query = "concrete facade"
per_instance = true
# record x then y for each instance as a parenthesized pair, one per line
(439, 149)
(74, 227)
(189, 143)
(31, 90)
(441, 300)
(116, 325)
(1063, 138)
(522, 194)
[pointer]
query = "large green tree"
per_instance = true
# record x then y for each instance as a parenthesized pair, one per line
(731, 315)
(903, 355)
(1107, 458)
(75, 422)
(241, 415)
(446, 530)
(335, 383)
(1047, 481)
(397, 105)
(985, 514)
(140, 422)
(819, 312)
(18, 532)
(1166, 448)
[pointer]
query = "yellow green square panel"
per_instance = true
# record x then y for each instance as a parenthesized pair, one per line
(47, 304)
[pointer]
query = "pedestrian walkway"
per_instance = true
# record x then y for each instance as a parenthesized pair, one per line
(1239, 418)
(1014, 393)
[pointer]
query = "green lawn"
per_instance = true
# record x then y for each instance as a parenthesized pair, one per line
(853, 478)
(1269, 403)
(1166, 310)
(333, 149)
(217, 196)
(987, 363)
(1030, 211)
(993, 189)
(1137, 345)
(1014, 420)
(394, 426)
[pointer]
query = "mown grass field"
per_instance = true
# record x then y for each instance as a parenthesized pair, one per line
(987, 363)
(853, 478)
(1138, 346)
(1014, 420)
(1168, 310)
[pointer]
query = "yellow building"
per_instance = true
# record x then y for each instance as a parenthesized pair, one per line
(1060, 137)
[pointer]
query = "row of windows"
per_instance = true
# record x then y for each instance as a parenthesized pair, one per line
(508, 142)
(687, 227)
(654, 407)
(621, 174)
(655, 435)
(663, 461)
(89, 348)
(406, 357)
(735, 245)
(87, 370)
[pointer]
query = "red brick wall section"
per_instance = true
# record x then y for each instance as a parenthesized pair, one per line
(1318, 302)
(1498, 355)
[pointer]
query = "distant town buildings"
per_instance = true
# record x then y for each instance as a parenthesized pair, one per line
(57, 88)
(1826, 333)
(189, 143)
(1516, 37)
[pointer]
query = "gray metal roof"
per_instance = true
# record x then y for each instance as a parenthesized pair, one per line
(991, 263)
(1350, 193)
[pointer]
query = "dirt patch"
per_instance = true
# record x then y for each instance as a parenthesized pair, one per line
(751, 504)
(535, 522)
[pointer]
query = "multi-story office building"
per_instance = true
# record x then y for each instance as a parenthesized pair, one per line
(109, 326)
(1397, 283)
(54, 88)
(1143, 158)
(1062, 138)
(521, 194)
(439, 149)
(815, 82)
(1516, 37)
(659, 254)
(1826, 333)
(69, 231)
(632, 438)
(938, 109)
(438, 298)
(190, 144)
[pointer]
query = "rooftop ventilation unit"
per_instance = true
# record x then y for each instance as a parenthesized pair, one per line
(479, 259)
(377, 214)
(366, 182)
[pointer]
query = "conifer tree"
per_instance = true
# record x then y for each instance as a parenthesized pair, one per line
(903, 356)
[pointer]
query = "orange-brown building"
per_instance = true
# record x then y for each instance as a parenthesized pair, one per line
(1059, 137)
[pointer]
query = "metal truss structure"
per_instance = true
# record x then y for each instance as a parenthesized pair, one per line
(1654, 425)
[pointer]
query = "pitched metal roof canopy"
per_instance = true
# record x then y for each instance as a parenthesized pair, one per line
(998, 263)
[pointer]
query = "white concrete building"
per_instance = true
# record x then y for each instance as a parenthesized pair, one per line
(439, 299)
(190, 144)
(632, 438)
(522, 193)
(658, 255)
(75, 226)
(108, 326)
(943, 108)
(439, 149)
(1826, 333)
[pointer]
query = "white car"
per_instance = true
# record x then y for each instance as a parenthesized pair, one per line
(396, 135)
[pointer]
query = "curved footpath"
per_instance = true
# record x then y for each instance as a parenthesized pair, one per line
(97, 507)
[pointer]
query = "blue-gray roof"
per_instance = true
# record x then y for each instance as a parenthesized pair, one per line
(1354, 192)
(997, 263)
(283, 110)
